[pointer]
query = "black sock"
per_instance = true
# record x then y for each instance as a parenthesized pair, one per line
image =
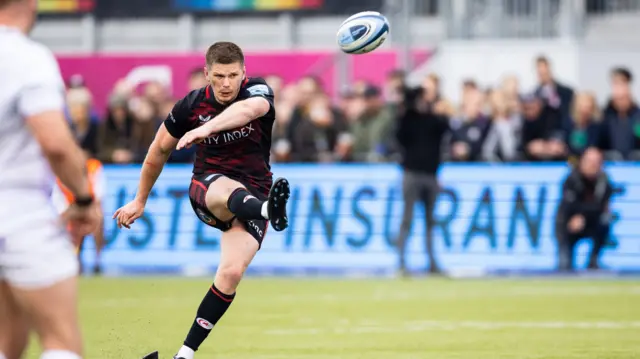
(244, 205)
(211, 309)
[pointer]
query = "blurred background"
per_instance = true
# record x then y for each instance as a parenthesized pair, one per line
(525, 87)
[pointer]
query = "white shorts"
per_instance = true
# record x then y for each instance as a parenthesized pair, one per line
(35, 249)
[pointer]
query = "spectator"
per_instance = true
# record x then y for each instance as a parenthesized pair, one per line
(276, 83)
(621, 124)
(542, 135)
(144, 127)
(421, 128)
(158, 96)
(317, 132)
(116, 132)
(584, 210)
(197, 79)
(470, 129)
(369, 129)
(284, 105)
(511, 90)
(584, 129)
(502, 142)
(84, 126)
(557, 97)
(394, 89)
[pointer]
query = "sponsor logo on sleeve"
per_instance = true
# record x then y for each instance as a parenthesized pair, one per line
(258, 90)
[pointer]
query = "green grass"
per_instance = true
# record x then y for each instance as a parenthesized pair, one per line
(318, 319)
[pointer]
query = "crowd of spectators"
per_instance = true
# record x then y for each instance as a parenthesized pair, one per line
(499, 124)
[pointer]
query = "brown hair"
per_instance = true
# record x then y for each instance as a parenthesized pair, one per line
(223, 52)
(4, 3)
(542, 60)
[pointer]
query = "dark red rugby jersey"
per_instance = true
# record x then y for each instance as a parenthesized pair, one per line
(242, 153)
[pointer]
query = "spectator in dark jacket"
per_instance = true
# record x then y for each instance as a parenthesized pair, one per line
(83, 124)
(116, 132)
(584, 129)
(542, 135)
(584, 210)
(621, 124)
(557, 97)
(317, 131)
(469, 130)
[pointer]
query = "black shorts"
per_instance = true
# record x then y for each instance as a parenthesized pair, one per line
(197, 194)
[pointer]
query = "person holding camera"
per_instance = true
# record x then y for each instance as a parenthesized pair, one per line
(584, 210)
(422, 124)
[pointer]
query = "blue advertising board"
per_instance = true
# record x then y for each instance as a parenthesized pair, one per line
(344, 218)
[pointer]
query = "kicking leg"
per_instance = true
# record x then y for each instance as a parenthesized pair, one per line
(227, 198)
(238, 248)
(14, 330)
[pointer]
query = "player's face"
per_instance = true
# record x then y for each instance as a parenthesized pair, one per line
(226, 80)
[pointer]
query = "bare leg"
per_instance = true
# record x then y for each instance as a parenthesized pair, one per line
(14, 330)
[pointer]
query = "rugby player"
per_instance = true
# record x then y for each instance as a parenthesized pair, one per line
(230, 121)
(38, 265)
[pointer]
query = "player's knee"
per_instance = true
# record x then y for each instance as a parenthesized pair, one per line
(220, 191)
(229, 277)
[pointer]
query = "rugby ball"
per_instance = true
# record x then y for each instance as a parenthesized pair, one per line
(363, 32)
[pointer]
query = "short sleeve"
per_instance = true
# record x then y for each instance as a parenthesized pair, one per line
(177, 122)
(259, 88)
(42, 88)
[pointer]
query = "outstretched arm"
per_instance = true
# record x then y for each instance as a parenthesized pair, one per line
(239, 114)
(157, 156)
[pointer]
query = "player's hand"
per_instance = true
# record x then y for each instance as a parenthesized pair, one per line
(194, 136)
(126, 215)
(82, 221)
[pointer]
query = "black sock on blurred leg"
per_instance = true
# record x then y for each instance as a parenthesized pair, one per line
(212, 308)
(244, 205)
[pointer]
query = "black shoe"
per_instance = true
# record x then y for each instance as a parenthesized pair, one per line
(153, 355)
(97, 270)
(277, 207)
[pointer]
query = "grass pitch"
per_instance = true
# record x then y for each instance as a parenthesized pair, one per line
(372, 319)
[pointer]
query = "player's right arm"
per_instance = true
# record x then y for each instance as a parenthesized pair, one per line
(40, 102)
(176, 124)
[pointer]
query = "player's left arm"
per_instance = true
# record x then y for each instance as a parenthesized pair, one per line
(257, 102)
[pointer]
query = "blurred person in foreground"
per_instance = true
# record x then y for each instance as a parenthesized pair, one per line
(317, 132)
(584, 210)
(620, 136)
(542, 133)
(556, 96)
(469, 129)
(583, 130)
(230, 121)
(84, 125)
(370, 128)
(38, 265)
(502, 142)
(62, 198)
(422, 125)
